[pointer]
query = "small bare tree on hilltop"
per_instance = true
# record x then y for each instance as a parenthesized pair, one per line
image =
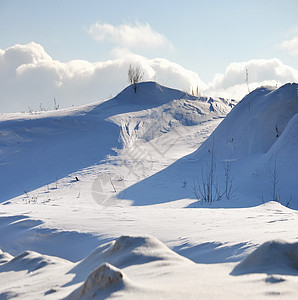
(135, 75)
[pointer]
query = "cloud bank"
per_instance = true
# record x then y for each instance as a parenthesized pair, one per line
(29, 76)
(261, 72)
(138, 36)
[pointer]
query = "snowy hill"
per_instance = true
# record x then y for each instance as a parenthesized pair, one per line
(104, 200)
(256, 123)
(257, 138)
(40, 148)
(265, 135)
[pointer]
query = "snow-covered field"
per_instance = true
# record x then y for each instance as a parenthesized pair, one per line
(152, 195)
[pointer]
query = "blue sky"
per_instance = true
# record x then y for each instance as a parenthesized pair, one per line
(207, 35)
(201, 36)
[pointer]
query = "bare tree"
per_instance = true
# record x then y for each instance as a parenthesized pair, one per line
(135, 75)
(208, 190)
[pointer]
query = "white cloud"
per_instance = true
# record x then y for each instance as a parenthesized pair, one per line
(29, 76)
(291, 46)
(261, 72)
(129, 36)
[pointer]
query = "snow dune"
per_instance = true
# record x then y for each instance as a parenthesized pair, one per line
(101, 279)
(272, 257)
(125, 252)
(128, 250)
(145, 268)
(30, 261)
(96, 275)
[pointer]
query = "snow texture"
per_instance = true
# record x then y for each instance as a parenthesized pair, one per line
(100, 201)
(272, 257)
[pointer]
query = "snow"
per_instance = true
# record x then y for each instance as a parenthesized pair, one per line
(4, 257)
(131, 225)
(101, 278)
(272, 257)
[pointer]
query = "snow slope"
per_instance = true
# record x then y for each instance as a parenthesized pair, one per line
(40, 148)
(137, 267)
(258, 133)
(131, 226)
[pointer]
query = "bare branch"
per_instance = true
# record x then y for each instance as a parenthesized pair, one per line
(135, 75)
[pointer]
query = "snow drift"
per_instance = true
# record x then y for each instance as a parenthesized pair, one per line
(30, 261)
(99, 274)
(273, 257)
(104, 277)
(257, 139)
(255, 124)
(127, 250)
(4, 257)
(149, 270)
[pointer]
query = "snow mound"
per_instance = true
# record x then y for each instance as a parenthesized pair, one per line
(5, 257)
(155, 111)
(140, 252)
(129, 250)
(31, 261)
(257, 137)
(104, 277)
(273, 257)
(129, 243)
(151, 93)
(255, 124)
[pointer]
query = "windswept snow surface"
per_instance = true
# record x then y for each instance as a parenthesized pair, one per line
(102, 200)
(256, 140)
